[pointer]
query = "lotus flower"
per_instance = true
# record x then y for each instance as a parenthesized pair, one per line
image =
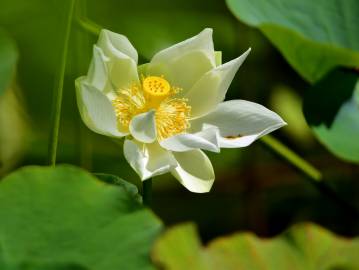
(170, 108)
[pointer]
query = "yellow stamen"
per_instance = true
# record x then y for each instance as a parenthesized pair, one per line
(172, 114)
(128, 103)
(172, 118)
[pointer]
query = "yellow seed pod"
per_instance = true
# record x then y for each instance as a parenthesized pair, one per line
(155, 89)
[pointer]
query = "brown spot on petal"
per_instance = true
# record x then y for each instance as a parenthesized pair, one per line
(232, 137)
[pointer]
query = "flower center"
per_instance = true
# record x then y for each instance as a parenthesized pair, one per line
(172, 114)
(155, 90)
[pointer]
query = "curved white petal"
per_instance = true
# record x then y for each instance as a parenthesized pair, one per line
(143, 127)
(148, 160)
(211, 89)
(122, 64)
(114, 44)
(206, 139)
(97, 75)
(239, 122)
(184, 63)
(96, 110)
(194, 171)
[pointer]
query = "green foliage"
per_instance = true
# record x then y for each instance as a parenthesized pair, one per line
(13, 129)
(314, 36)
(8, 56)
(333, 114)
(304, 246)
(324, 99)
(285, 101)
(53, 218)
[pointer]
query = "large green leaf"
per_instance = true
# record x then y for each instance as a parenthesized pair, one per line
(342, 137)
(314, 36)
(304, 246)
(8, 58)
(332, 112)
(56, 217)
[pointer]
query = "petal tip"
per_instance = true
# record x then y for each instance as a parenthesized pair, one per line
(104, 31)
(206, 34)
(207, 30)
(245, 54)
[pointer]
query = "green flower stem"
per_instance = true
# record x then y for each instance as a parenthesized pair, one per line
(292, 157)
(82, 43)
(311, 172)
(147, 192)
(58, 90)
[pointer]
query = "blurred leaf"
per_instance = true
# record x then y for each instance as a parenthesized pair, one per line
(333, 114)
(304, 246)
(64, 216)
(43, 266)
(356, 94)
(314, 36)
(285, 101)
(13, 129)
(342, 137)
(324, 99)
(8, 56)
(37, 28)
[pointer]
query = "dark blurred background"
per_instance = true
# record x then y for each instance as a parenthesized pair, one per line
(254, 189)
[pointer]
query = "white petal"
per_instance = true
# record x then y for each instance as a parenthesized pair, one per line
(143, 127)
(122, 65)
(239, 122)
(194, 171)
(238, 142)
(184, 63)
(114, 44)
(206, 139)
(148, 160)
(97, 75)
(96, 110)
(213, 86)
